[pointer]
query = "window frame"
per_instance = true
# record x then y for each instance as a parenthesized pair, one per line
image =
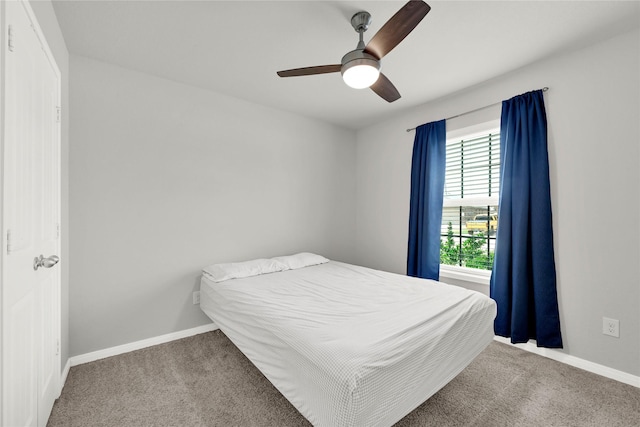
(467, 274)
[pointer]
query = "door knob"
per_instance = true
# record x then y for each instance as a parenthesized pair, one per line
(45, 262)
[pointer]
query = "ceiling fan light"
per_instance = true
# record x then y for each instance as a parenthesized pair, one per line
(361, 73)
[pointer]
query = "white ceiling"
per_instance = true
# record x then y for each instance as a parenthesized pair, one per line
(236, 47)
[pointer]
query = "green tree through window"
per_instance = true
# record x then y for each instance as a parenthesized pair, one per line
(471, 253)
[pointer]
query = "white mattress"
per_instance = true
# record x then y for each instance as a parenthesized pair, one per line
(348, 345)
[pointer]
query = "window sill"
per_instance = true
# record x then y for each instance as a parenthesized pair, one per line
(481, 277)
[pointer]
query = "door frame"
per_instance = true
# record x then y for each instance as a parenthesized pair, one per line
(3, 238)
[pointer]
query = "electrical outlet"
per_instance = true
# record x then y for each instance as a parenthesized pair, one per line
(196, 297)
(611, 327)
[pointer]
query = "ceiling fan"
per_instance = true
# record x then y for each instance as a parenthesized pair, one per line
(360, 68)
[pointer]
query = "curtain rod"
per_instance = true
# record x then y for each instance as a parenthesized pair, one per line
(544, 89)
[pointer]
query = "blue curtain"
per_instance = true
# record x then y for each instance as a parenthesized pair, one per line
(427, 190)
(523, 281)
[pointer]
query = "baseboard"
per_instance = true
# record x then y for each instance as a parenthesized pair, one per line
(576, 362)
(125, 348)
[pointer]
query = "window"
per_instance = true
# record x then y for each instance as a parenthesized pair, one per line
(470, 208)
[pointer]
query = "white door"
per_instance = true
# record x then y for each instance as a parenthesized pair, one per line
(30, 221)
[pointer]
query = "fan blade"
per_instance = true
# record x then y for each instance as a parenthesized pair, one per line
(307, 71)
(397, 28)
(385, 89)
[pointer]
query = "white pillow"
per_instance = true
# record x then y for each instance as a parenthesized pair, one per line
(238, 270)
(300, 260)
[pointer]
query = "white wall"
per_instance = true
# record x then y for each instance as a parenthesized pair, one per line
(168, 178)
(593, 111)
(49, 24)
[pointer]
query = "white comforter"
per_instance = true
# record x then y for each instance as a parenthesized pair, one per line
(348, 345)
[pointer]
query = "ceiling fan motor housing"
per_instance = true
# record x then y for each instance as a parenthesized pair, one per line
(359, 57)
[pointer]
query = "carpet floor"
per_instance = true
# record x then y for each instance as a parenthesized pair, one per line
(205, 380)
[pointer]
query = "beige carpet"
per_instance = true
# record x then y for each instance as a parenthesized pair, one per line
(206, 381)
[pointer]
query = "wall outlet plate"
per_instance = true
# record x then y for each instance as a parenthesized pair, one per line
(196, 297)
(611, 327)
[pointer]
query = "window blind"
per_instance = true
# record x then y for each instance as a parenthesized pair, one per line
(473, 167)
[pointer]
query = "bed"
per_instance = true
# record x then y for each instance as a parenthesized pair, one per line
(347, 345)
